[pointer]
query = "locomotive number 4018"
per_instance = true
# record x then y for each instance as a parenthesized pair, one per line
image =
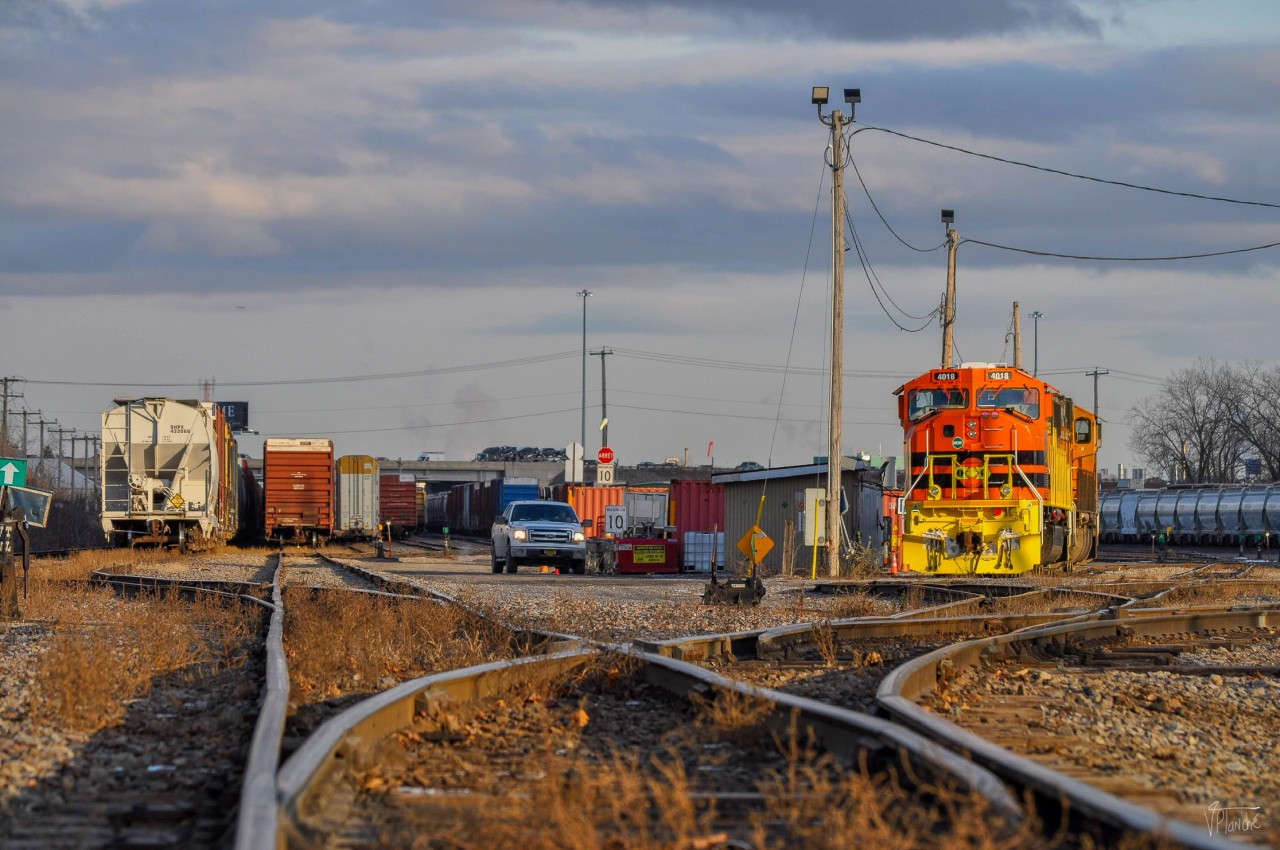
(999, 376)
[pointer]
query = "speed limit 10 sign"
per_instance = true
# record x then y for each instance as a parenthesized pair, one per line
(605, 455)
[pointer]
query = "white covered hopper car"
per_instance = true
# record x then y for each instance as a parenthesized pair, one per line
(170, 474)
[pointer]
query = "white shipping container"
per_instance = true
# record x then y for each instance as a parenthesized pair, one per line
(697, 550)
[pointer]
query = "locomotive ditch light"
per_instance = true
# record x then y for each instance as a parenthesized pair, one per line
(1006, 491)
(935, 491)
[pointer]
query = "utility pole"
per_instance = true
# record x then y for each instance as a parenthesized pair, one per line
(835, 466)
(25, 442)
(949, 302)
(60, 432)
(604, 410)
(1017, 337)
(40, 448)
(584, 295)
(1095, 373)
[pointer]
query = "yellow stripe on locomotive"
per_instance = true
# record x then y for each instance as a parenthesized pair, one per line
(1001, 473)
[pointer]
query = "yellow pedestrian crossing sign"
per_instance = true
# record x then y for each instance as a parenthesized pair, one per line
(755, 544)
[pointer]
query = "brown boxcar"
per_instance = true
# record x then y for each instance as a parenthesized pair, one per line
(398, 502)
(297, 489)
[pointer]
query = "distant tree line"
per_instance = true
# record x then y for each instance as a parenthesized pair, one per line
(1207, 419)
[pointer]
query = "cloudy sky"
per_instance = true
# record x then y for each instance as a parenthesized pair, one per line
(370, 220)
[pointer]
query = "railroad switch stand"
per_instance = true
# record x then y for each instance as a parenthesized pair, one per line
(13, 524)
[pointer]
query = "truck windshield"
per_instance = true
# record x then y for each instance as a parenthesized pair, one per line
(543, 513)
(920, 403)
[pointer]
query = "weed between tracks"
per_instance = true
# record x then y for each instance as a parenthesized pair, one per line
(539, 769)
(103, 653)
(344, 645)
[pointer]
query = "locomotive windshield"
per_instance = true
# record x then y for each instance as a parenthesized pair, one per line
(920, 403)
(1024, 400)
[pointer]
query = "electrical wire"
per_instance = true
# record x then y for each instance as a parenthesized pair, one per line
(885, 221)
(1072, 174)
(384, 376)
(1036, 253)
(795, 321)
(711, 363)
(433, 425)
(873, 279)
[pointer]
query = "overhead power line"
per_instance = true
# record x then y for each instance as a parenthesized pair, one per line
(1072, 174)
(383, 376)
(1037, 253)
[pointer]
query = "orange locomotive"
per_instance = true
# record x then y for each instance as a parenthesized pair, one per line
(1001, 473)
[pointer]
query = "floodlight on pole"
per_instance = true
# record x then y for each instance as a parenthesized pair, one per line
(821, 94)
(1035, 317)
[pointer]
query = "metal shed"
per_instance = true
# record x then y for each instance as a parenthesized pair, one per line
(783, 491)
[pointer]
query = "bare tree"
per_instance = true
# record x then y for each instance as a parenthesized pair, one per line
(1255, 397)
(1189, 429)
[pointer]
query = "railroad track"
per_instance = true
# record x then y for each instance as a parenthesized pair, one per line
(373, 765)
(185, 761)
(1007, 680)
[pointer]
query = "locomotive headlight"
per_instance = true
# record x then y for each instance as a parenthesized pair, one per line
(520, 534)
(1006, 491)
(578, 537)
(935, 491)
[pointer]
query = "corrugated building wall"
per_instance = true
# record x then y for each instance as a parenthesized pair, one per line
(783, 491)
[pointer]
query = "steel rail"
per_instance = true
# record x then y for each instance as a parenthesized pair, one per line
(900, 691)
(352, 737)
(257, 818)
(558, 640)
(783, 641)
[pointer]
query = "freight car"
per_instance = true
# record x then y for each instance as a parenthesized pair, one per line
(357, 490)
(1002, 472)
(170, 474)
(298, 489)
(398, 502)
(471, 508)
(1209, 515)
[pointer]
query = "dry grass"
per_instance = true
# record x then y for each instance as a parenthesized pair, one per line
(339, 642)
(78, 566)
(104, 653)
(1041, 602)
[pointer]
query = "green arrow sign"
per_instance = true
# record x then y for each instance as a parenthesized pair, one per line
(13, 472)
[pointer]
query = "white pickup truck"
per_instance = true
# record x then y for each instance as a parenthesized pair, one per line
(539, 532)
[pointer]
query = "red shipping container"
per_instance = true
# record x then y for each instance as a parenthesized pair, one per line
(298, 489)
(398, 501)
(696, 506)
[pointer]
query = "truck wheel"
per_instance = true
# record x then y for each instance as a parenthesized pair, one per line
(579, 568)
(512, 565)
(494, 562)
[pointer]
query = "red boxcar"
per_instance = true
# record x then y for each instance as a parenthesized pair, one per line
(297, 488)
(398, 502)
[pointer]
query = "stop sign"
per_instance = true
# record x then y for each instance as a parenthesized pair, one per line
(605, 455)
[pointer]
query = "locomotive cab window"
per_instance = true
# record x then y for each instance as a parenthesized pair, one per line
(1024, 400)
(1084, 430)
(920, 403)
